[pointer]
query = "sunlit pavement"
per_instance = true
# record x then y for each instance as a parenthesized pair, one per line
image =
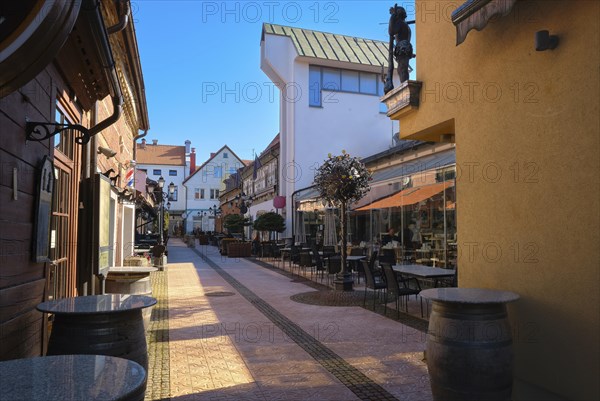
(235, 334)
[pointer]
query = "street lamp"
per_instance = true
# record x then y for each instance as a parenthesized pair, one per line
(215, 211)
(163, 196)
(244, 201)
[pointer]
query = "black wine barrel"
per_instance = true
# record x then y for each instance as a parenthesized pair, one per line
(114, 334)
(469, 352)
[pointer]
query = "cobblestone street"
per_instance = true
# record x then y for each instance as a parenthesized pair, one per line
(226, 329)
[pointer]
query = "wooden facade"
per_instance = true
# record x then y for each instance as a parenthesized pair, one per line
(54, 94)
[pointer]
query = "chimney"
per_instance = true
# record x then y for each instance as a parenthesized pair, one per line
(212, 155)
(188, 143)
(155, 142)
(143, 144)
(193, 161)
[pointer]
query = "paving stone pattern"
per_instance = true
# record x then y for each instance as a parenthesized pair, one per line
(337, 298)
(157, 337)
(357, 382)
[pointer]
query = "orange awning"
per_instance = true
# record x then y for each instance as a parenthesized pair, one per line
(408, 196)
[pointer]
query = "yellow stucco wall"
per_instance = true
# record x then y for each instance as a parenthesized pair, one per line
(527, 144)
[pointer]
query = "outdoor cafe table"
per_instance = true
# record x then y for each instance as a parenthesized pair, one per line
(421, 271)
(72, 378)
(108, 324)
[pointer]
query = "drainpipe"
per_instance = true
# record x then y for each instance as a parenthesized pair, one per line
(91, 11)
(123, 18)
(135, 141)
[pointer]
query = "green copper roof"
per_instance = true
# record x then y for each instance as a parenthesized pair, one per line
(329, 46)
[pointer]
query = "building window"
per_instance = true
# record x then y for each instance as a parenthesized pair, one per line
(173, 196)
(214, 194)
(157, 171)
(198, 193)
(64, 141)
(340, 80)
(382, 106)
(218, 172)
(350, 81)
(368, 83)
(331, 79)
(314, 76)
(225, 155)
(173, 173)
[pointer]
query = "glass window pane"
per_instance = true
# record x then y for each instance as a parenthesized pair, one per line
(314, 86)
(173, 172)
(331, 79)
(350, 81)
(368, 83)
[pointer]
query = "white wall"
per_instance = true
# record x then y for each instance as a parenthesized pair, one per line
(205, 178)
(177, 180)
(308, 134)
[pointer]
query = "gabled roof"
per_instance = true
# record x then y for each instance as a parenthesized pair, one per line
(329, 46)
(171, 155)
(274, 143)
(211, 158)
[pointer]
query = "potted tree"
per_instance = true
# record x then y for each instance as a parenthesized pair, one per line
(235, 223)
(268, 222)
(340, 181)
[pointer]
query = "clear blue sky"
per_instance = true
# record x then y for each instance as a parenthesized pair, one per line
(191, 51)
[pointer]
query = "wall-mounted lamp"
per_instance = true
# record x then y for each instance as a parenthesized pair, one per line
(545, 41)
(108, 152)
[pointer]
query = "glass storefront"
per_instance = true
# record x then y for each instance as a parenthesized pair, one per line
(411, 217)
(417, 221)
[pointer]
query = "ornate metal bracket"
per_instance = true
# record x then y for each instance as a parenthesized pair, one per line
(40, 131)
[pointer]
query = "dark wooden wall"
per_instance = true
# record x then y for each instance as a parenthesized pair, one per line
(22, 282)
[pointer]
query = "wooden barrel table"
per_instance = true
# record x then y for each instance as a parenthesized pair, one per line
(108, 324)
(133, 280)
(72, 378)
(469, 344)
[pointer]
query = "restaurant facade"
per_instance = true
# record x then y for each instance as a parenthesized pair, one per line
(412, 192)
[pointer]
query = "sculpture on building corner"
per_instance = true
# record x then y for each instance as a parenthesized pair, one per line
(400, 48)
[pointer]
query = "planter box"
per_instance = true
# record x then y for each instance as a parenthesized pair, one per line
(239, 250)
(225, 243)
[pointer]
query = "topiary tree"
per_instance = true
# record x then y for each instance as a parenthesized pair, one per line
(340, 181)
(269, 222)
(235, 223)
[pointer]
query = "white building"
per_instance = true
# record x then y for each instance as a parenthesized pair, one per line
(330, 87)
(203, 188)
(172, 162)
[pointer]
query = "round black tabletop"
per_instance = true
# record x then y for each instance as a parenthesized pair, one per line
(97, 304)
(71, 378)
